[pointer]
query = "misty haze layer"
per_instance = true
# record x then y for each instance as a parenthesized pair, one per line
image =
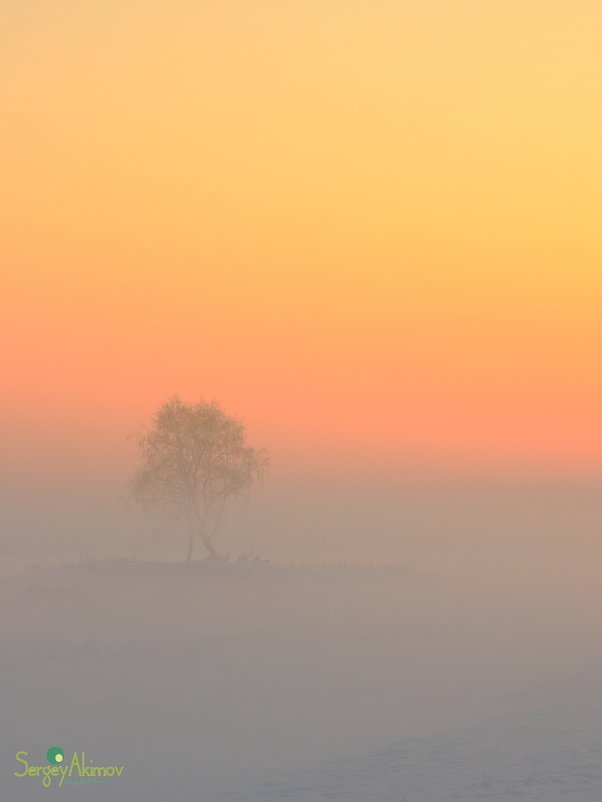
(466, 667)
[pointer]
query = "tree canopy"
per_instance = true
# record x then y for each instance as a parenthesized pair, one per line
(194, 458)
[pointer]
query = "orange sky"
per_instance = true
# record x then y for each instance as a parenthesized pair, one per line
(370, 228)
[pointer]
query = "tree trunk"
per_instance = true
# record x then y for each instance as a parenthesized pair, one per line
(190, 544)
(208, 535)
(213, 555)
(205, 534)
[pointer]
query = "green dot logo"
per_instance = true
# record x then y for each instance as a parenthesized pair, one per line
(55, 754)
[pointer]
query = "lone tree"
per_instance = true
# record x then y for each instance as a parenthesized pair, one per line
(194, 458)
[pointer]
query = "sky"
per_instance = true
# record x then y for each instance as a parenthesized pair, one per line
(369, 228)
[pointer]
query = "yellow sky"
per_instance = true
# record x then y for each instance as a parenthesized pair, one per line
(368, 226)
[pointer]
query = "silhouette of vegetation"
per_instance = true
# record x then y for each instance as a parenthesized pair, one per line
(194, 458)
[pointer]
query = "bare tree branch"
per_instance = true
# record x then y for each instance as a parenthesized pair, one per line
(194, 457)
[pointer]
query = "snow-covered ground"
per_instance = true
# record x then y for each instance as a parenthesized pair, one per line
(253, 682)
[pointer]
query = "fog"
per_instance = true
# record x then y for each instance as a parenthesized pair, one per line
(486, 529)
(391, 636)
